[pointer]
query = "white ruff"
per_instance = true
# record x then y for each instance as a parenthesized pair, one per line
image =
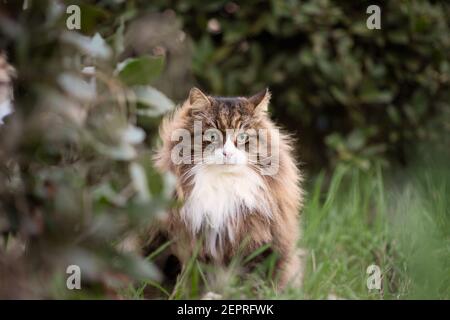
(220, 196)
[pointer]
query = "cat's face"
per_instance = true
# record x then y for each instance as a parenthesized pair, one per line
(230, 128)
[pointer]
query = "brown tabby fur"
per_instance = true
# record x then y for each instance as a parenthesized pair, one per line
(253, 230)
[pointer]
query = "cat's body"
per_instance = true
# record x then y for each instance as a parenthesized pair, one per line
(232, 207)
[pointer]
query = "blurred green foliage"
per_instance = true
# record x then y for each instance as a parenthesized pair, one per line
(349, 94)
(77, 184)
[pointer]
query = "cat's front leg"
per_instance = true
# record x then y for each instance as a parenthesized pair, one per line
(291, 271)
(286, 233)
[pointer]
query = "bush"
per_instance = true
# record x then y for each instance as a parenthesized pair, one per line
(345, 90)
(75, 172)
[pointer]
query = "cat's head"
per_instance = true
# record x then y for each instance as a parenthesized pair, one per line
(230, 131)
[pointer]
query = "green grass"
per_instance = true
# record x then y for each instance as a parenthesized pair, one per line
(398, 219)
(367, 218)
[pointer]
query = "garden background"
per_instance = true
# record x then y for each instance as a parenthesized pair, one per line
(369, 110)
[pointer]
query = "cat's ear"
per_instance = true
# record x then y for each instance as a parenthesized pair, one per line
(260, 101)
(197, 99)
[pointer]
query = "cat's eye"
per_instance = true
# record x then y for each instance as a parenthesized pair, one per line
(242, 138)
(212, 136)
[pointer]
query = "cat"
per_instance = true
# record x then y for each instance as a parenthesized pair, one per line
(234, 197)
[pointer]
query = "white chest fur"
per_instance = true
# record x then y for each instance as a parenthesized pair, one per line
(219, 197)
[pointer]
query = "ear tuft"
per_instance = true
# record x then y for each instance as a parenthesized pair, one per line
(197, 98)
(261, 100)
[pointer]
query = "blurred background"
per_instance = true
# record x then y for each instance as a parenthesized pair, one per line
(369, 110)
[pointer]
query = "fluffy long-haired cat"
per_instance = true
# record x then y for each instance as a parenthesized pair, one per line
(237, 182)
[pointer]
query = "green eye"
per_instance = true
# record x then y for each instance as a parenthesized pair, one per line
(242, 137)
(212, 136)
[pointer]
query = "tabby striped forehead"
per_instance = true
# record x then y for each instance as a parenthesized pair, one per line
(230, 113)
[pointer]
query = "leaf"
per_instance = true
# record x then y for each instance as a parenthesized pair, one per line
(95, 47)
(77, 87)
(138, 267)
(133, 135)
(106, 192)
(153, 98)
(119, 40)
(356, 140)
(140, 183)
(140, 71)
(376, 97)
(122, 151)
(373, 95)
(340, 95)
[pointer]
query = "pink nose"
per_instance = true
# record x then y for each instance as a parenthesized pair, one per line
(225, 153)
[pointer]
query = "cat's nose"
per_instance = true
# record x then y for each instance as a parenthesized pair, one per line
(225, 153)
